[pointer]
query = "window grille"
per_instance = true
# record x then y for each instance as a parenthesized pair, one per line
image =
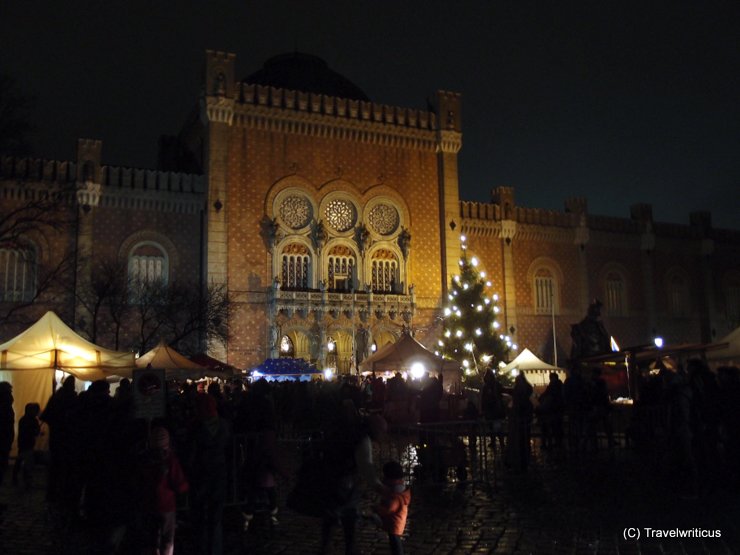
(615, 301)
(384, 275)
(544, 289)
(295, 271)
(17, 275)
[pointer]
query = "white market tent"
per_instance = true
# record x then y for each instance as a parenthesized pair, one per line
(29, 360)
(174, 364)
(728, 351)
(537, 371)
(402, 354)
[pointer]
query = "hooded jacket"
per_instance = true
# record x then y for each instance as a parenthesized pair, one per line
(394, 507)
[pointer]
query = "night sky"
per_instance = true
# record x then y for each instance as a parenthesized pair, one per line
(620, 102)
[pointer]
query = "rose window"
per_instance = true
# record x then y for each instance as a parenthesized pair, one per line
(383, 219)
(296, 211)
(341, 215)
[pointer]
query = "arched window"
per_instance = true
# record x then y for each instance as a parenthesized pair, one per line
(341, 268)
(17, 274)
(678, 295)
(545, 292)
(286, 347)
(384, 271)
(295, 270)
(615, 294)
(147, 264)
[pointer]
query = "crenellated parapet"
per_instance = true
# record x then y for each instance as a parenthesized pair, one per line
(576, 225)
(314, 103)
(322, 116)
(120, 187)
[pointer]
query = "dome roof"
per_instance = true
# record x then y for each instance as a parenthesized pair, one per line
(307, 73)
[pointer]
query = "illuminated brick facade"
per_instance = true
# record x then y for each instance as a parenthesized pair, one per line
(328, 216)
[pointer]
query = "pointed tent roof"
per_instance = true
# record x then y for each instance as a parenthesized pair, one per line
(527, 361)
(403, 353)
(174, 364)
(50, 344)
(728, 348)
(164, 356)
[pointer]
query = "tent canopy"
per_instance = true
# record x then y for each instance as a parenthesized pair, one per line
(402, 354)
(285, 368)
(728, 348)
(29, 360)
(176, 365)
(526, 361)
(50, 344)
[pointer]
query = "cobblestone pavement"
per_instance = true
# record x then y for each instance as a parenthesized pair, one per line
(557, 506)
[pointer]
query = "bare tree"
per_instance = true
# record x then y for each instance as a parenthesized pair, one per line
(105, 300)
(195, 317)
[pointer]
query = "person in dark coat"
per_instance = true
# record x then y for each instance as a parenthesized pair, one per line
(29, 430)
(60, 415)
(493, 407)
(550, 413)
(209, 470)
(7, 425)
(520, 422)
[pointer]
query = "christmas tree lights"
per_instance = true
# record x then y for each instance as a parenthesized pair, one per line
(471, 328)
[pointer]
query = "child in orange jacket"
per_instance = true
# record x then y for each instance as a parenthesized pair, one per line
(394, 505)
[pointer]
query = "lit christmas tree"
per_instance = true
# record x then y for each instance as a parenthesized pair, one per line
(472, 333)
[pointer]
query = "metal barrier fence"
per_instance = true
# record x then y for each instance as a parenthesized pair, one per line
(470, 451)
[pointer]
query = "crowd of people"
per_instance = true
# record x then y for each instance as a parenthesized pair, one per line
(127, 476)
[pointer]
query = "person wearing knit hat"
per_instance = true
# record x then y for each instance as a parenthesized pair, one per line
(162, 481)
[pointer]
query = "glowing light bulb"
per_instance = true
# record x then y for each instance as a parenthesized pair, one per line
(458, 333)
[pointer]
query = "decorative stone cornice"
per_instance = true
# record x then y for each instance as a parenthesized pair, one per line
(338, 304)
(581, 234)
(508, 230)
(330, 127)
(217, 109)
(88, 194)
(449, 142)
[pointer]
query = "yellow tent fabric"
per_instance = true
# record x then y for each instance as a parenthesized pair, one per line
(50, 344)
(174, 364)
(29, 360)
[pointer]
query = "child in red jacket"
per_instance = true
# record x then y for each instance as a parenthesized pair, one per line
(394, 505)
(162, 481)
